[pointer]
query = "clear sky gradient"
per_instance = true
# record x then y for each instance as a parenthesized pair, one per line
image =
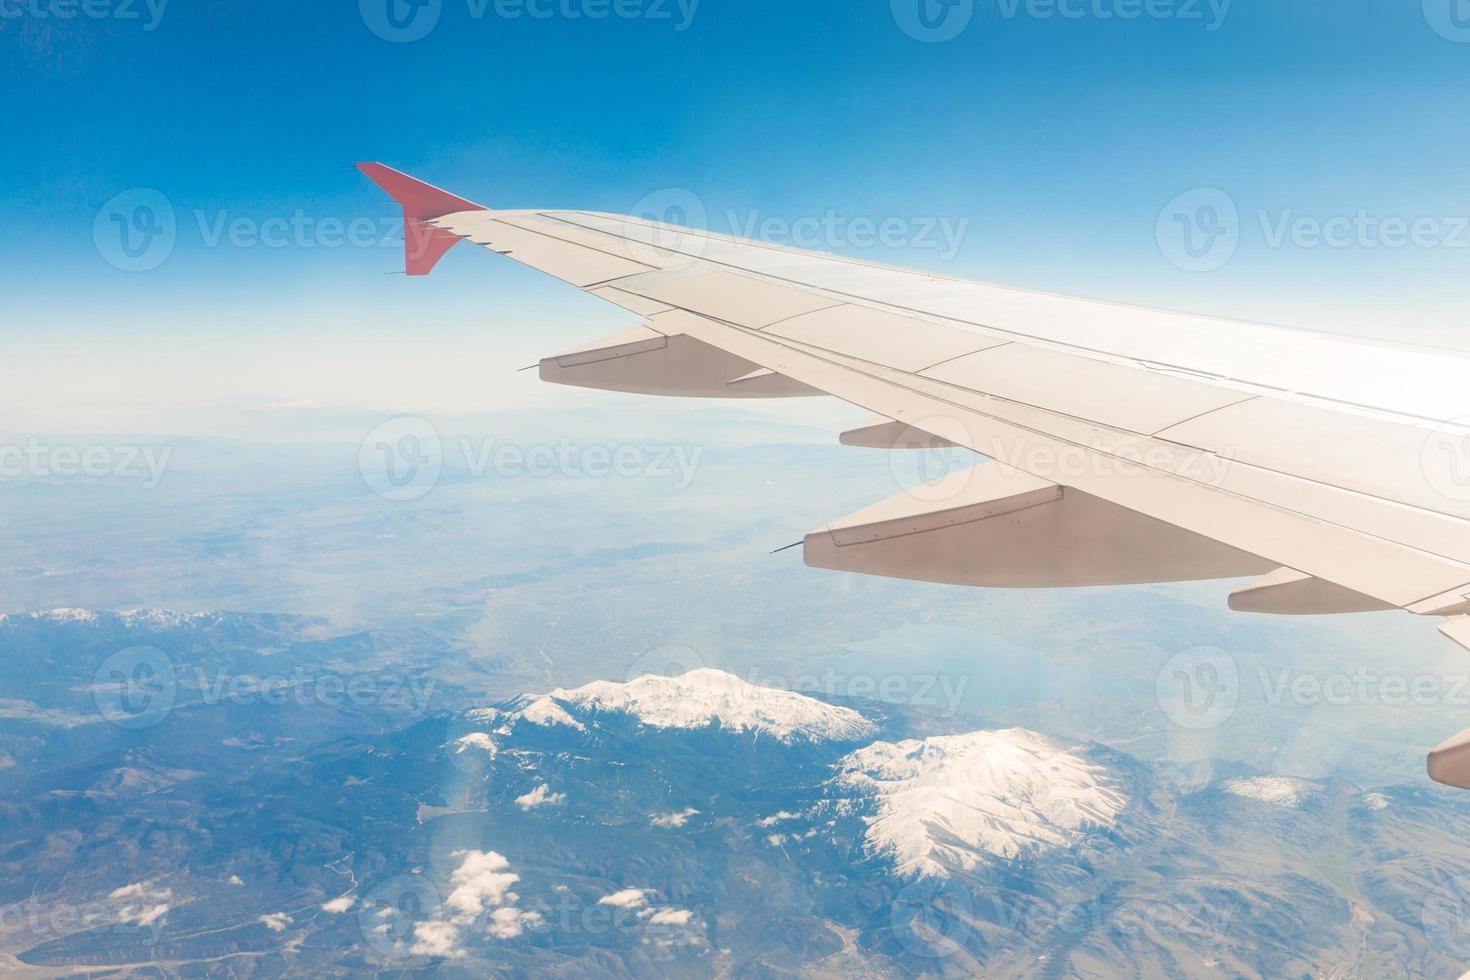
(1053, 134)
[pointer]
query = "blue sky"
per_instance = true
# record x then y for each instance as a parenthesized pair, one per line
(1056, 140)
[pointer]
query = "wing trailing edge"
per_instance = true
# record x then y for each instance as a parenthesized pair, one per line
(995, 527)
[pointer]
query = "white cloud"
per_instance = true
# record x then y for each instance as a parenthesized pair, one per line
(141, 904)
(436, 938)
(670, 917)
(628, 898)
(540, 796)
(480, 880)
(275, 921)
(509, 922)
(776, 818)
(234, 880)
(340, 904)
(482, 883)
(674, 819)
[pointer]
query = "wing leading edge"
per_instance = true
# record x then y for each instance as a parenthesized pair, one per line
(1121, 453)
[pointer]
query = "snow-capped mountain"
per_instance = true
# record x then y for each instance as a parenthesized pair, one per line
(1284, 791)
(699, 699)
(952, 802)
(667, 826)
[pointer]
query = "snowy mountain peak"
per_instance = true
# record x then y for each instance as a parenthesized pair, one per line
(698, 699)
(953, 802)
(1284, 791)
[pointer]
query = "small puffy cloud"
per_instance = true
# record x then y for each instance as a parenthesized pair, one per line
(234, 880)
(340, 904)
(776, 818)
(481, 884)
(436, 938)
(140, 903)
(509, 922)
(480, 880)
(674, 819)
(275, 921)
(540, 796)
(628, 898)
(670, 917)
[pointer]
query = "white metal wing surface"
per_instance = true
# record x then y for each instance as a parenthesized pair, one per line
(1130, 445)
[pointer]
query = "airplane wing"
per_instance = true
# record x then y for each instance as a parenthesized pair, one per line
(1129, 445)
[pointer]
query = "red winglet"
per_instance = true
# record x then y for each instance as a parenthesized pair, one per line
(423, 245)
